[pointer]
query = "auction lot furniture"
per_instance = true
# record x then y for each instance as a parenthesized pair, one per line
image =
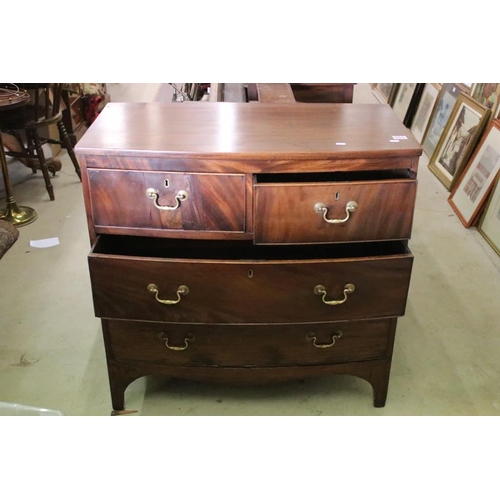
(249, 243)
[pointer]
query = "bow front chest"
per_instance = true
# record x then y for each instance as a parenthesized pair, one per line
(249, 242)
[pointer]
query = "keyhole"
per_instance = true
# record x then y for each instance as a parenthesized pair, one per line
(165, 182)
(250, 274)
(337, 196)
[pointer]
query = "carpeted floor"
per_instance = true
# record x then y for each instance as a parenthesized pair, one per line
(8, 236)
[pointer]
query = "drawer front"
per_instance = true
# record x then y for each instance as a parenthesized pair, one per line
(244, 345)
(289, 213)
(214, 202)
(249, 292)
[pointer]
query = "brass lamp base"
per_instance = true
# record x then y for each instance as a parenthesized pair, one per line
(18, 216)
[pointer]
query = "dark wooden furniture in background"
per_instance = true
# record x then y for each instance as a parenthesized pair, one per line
(323, 92)
(248, 243)
(27, 122)
(73, 114)
(282, 92)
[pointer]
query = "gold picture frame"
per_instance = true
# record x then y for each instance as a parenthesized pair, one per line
(442, 110)
(458, 140)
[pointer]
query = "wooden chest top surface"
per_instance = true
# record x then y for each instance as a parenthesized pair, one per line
(257, 131)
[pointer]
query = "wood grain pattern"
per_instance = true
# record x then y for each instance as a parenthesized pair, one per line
(245, 345)
(241, 131)
(122, 373)
(249, 306)
(215, 202)
(247, 166)
(284, 212)
(221, 291)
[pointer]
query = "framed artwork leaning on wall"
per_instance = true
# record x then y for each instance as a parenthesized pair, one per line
(424, 110)
(458, 140)
(444, 105)
(488, 94)
(489, 226)
(473, 187)
(402, 99)
(385, 92)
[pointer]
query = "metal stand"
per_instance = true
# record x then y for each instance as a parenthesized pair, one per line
(18, 216)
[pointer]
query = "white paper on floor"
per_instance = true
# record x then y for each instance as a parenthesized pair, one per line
(45, 243)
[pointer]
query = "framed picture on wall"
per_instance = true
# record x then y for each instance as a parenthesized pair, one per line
(473, 187)
(444, 105)
(385, 92)
(488, 94)
(489, 226)
(424, 110)
(458, 140)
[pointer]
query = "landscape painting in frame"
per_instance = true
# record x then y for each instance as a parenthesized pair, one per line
(458, 140)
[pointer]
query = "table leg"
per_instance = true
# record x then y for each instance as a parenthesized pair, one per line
(17, 216)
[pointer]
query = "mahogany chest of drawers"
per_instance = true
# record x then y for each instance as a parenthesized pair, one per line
(249, 242)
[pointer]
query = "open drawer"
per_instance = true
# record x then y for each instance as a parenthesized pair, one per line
(334, 207)
(152, 279)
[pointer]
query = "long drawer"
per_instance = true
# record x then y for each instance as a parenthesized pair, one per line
(167, 201)
(180, 281)
(243, 345)
(335, 207)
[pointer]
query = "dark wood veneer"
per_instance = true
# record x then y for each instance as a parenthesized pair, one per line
(250, 345)
(384, 211)
(215, 202)
(253, 173)
(239, 131)
(223, 292)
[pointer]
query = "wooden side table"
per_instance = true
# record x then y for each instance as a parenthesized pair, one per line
(17, 216)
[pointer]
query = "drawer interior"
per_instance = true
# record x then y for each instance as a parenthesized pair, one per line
(240, 250)
(321, 177)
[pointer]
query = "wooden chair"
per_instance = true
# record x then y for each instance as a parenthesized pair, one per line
(26, 123)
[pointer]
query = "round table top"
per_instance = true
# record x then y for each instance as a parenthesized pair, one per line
(13, 97)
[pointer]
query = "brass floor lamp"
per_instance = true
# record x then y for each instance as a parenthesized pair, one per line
(17, 216)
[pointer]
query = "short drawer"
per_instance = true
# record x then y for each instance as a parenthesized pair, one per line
(166, 280)
(245, 345)
(338, 207)
(167, 201)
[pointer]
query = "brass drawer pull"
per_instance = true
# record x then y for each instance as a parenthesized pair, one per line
(322, 208)
(313, 338)
(182, 290)
(153, 194)
(187, 340)
(320, 290)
